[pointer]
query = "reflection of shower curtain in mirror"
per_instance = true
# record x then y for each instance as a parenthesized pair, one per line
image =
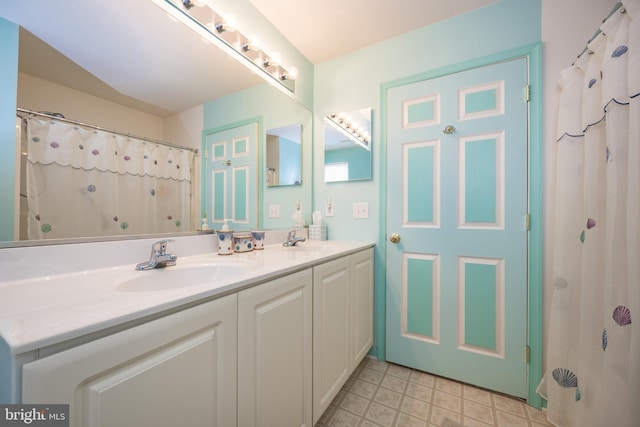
(84, 182)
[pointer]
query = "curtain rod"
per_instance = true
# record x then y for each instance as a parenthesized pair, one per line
(598, 31)
(128, 135)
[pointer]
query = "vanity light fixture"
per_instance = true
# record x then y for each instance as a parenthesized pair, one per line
(350, 129)
(221, 30)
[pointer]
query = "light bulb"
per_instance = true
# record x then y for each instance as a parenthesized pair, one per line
(188, 4)
(252, 44)
(275, 58)
(230, 22)
(292, 73)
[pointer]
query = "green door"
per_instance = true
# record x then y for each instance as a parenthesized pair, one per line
(230, 177)
(457, 199)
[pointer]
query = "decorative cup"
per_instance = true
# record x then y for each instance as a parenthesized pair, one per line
(243, 242)
(258, 239)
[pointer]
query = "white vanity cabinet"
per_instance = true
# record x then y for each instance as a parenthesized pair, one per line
(275, 353)
(342, 323)
(178, 370)
(272, 348)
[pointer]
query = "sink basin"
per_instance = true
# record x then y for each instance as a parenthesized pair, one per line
(175, 277)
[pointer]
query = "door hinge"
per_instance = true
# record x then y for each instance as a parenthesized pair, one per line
(527, 93)
(527, 222)
(527, 353)
(206, 154)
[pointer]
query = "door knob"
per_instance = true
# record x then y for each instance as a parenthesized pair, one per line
(395, 237)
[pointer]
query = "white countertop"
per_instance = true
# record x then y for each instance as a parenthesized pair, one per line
(36, 312)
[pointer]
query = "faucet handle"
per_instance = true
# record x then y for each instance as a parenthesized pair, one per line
(160, 247)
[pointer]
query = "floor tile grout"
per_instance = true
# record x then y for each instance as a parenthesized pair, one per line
(384, 394)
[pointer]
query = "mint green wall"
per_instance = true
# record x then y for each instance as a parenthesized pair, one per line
(275, 110)
(8, 85)
(354, 81)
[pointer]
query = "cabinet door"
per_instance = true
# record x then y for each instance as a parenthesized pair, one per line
(331, 331)
(361, 305)
(274, 353)
(176, 370)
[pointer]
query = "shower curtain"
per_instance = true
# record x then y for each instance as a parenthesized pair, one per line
(84, 182)
(593, 349)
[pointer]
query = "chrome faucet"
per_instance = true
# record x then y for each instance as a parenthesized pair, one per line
(292, 240)
(159, 257)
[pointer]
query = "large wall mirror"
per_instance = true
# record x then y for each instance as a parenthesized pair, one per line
(347, 146)
(121, 81)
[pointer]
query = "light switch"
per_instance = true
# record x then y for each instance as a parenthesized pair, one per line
(274, 211)
(361, 210)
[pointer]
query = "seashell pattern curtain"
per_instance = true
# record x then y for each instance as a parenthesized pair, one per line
(593, 349)
(83, 182)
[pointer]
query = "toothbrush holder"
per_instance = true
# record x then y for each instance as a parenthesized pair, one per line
(225, 242)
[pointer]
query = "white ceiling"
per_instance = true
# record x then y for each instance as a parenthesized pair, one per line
(111, 55)
(324, 29)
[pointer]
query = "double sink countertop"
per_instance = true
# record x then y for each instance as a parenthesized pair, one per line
(62, 304)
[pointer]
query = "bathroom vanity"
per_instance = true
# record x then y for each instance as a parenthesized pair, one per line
(264, 337)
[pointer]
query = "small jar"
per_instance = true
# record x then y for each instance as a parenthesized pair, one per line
(258, 240)
(225, 242)
(243, 242)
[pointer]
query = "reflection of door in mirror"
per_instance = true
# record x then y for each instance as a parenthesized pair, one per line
(230, 177)
(347, 146)
(284, 156)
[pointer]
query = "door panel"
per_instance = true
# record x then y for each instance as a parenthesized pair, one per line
(457, 195)
(231, 177)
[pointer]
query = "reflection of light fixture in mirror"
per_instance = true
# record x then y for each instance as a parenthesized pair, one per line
(190, 3)
(252, 44)
(229, 23)
(350, 129)
(272, 60)
(238, 46)
(291, 75)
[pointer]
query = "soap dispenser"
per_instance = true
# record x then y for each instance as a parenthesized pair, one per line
(225, 239)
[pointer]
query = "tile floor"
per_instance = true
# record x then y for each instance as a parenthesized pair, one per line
(384, 394)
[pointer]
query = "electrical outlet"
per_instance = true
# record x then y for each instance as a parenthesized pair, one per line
(328, 211)
(361, 210)
(274, 211)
